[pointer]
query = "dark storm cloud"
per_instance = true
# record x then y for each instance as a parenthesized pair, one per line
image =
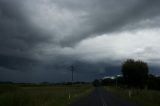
(107, 16)
(23, 41)
(17, 36)
(102, 16)
(16, 63)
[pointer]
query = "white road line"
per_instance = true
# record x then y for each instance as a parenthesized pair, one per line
(103, 101)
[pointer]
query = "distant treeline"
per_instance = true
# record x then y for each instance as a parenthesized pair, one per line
(135, 74)
(43, 83)
(153, 82)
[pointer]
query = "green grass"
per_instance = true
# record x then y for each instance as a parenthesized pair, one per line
(13, 95)
(141, 97)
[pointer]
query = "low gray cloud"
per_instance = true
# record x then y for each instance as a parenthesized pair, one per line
(107, 16)
(48, 36)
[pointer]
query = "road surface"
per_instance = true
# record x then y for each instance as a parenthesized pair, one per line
(100, 97)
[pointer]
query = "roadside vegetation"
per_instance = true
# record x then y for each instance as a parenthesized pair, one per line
(141, 97)
(61, 95)
(135, 84)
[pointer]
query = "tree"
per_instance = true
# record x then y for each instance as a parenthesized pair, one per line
(135, 73)
(96, 83)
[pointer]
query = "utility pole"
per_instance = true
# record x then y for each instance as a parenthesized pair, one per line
(68, 91)
(72, 70)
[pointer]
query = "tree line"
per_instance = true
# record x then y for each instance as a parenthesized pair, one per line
(135, 74)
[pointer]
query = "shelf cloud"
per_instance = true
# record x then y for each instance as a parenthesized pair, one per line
(41, 39)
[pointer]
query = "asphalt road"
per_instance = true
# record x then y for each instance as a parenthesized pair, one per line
(100, 97)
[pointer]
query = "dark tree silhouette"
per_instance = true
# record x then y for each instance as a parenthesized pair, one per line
(96, 83)
(135, 73)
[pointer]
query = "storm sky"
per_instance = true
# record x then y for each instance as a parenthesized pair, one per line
(41, 39)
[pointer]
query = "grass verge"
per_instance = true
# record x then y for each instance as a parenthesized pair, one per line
(141, 97)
